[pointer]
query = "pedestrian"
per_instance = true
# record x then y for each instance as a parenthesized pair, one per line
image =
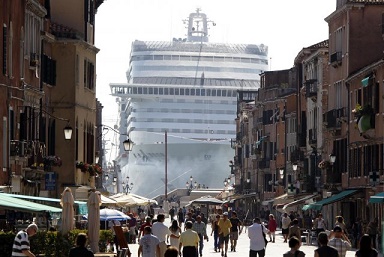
(272, 226)
(189, 240)
(188, 217)
(80, 249)
(320, 224)
(285, 223)
(235, 230)
(162, 232)
(200, 228)
(215, 231)
(171, 252)
(256, 235)
(365, 249)
(132, 223)
(160, 210)
(324, 249)
(171, 213)
(174, 238)
(148, 222)
(21, 245)
(224, 231)
(149, 245)
(340, 241)
(357, 231)
(180, 217)
(294, 230)
(373, 230)
(294, 243)
(111, 224)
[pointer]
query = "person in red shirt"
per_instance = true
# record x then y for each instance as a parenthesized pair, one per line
(272, 225)
(147, 223)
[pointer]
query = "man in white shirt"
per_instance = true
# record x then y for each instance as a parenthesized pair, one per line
(161, 231)
(285, 224)
(256, 238)
(149, 244)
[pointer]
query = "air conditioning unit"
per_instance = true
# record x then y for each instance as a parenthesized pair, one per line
(33, 60)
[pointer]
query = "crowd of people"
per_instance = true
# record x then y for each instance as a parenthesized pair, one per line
(187, 234)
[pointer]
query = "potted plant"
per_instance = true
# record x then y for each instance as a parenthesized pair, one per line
(364, 117)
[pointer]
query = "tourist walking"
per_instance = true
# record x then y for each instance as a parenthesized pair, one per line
(215, 232)
(21, 245)
(294, 230)
(149, 245)
(174, 238)
(285, 223)
(339, 241)
(256, 235)
(272, 226)
(200, 228)
(324, 250)
(180, 217)
(235, 230)
(365, 249)
(320, 224)
(80, 249)
(373, 231)
(162, 232)
(294, 244)
(172, 252)
(224, 231)
(148, 222)
(189, 240)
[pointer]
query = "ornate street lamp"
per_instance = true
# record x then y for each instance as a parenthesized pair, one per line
(68, 132)
(128, 144)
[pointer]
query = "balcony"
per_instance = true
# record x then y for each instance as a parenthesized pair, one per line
(333, 118)
(335, 59)
(311, 88)
(312, 137)
(297, 156)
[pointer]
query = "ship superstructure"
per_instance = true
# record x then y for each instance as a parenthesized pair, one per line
(187, 87)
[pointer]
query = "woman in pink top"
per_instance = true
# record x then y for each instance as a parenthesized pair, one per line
(272, 225)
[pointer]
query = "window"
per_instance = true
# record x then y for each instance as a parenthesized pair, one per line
(338, 95)
(48, 68)
(33, 25)
(77, 67)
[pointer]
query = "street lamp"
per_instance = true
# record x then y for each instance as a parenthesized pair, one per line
(281, 174)
(294, 167)
(127, 186)
(128, 144)
(332, 158)
(68, 132)
(114, 181)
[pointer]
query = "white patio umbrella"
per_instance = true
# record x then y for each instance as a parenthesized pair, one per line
(132, 200)
(67, 215)
(94, 202)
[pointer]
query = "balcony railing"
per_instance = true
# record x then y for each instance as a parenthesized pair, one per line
(334, 118)
(335, 59)
(311, 87)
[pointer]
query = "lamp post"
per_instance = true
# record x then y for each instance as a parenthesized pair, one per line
(127, 187)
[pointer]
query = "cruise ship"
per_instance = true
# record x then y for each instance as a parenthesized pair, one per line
(188, 88)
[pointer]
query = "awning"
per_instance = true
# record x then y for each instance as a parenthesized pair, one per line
(11, 203)
(377, 198)
(365, 81)
(335, 198)
(282, 199)
(298, 201)
(267, 202)
(83, 209)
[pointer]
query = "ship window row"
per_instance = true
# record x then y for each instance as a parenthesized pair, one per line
(173, 91)
(141, 68)
(206, 111)
(193, 121)
(197, 58)
(195, 131)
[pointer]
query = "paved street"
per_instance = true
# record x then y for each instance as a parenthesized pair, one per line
(242, 249)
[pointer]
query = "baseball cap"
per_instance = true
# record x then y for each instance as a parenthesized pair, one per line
(225, 213)
(337, 229)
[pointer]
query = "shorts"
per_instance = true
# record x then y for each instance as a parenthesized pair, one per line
(234, 235)
(285, 231)
(223, 239)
